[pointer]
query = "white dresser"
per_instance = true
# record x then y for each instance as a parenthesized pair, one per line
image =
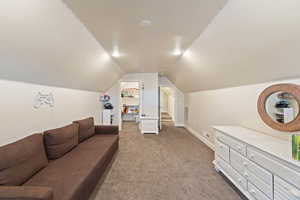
(260, 166)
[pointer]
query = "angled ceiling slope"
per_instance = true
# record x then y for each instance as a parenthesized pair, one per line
(250, 41)
(146, 35)
(43, 42)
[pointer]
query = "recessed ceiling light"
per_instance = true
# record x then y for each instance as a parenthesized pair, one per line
(116, 54)
(187, 54)
(145, 22)
(177, 52)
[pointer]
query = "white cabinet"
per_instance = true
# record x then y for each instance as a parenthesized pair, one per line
(149, 125)
(106, 117)
(260, 166)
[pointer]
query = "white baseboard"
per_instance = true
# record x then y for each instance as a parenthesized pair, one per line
(150, 132)
(201, 137)
(179, 125)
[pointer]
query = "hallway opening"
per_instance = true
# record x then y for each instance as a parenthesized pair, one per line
(167, 106)
(130, 102)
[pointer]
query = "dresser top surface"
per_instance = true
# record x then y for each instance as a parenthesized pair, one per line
(274, 146)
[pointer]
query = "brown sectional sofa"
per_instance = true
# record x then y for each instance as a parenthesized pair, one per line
(61, 164)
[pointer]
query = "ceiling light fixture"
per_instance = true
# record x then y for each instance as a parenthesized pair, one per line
(187, 54)
(177, 53)
(145, 22)
(116, 54)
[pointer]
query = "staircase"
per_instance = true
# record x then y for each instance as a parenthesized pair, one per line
(165, 117)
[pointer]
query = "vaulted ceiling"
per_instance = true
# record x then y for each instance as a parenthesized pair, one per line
(250, 41)
(197, 44)
(148, 35)
(230, 43)
(42, 42)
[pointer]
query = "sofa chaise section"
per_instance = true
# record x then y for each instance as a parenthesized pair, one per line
(73, 169)
(25, 193)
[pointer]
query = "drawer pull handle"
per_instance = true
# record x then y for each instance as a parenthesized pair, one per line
(240, 148)
(295, 193)
(252, 192)
(246, 175)
(245, 164)
(251, 156)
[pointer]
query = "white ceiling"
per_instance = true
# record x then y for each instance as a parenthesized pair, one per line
(246, 42)
(175, 25)
(250, 41)
(43, 42)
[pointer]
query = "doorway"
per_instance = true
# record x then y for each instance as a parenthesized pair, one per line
(129, 102)
(167, 106)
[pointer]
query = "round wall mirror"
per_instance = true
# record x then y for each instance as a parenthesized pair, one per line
(279, 106)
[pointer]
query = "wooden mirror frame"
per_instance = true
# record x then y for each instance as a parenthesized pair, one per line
(294, 90)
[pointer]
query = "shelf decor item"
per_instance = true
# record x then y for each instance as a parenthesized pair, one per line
(104, 98)
(296, 147)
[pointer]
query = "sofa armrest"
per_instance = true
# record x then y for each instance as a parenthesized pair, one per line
(25, 193)
(107, 130)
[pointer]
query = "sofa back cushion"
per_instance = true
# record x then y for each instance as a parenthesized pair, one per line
(60, 141)
(20, 160)
(86, 128)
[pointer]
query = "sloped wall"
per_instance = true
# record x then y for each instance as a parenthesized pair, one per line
(42, 42)
(19, 118)
(229, 106)
(149, 96)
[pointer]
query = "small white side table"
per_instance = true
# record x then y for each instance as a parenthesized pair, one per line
(106, 117)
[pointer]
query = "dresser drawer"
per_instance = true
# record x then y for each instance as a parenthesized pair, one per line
(284, 190)
(240, 180)
(222, 150)
(267, 189)
(256, 193)
(250, 166)
(273, 166)
(234, 144)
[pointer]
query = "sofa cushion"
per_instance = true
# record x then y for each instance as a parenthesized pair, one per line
(25, 193)
(86, 128)
(20, 160)
(61, 140)
(74, 176)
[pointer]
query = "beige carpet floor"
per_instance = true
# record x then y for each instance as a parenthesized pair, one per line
(172, 166)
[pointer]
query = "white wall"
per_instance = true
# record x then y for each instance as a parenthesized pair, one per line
(148, 96)
(19, 118)
(42, 42)
(164, 104)
(114, 93)
(229, 106)
(171, 106)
